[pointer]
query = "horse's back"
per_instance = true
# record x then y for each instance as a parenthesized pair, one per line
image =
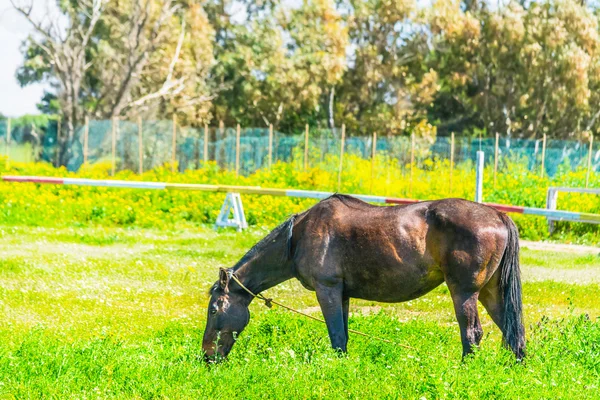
(396, 253)
(379, 252)
(455, 222)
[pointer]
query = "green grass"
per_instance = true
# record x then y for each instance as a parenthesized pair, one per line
(119, 313)
(558, 260)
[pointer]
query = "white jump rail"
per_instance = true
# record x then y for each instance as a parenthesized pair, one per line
(553, 214)
(552, 203)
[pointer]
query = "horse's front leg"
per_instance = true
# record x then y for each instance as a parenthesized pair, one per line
(330, 297)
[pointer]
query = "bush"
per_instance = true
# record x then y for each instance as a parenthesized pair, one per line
(51, 205)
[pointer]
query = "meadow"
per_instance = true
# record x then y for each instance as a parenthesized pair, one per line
(104, 312)
(103, 294)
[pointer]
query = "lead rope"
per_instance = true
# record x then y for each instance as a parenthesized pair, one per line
(269, 303)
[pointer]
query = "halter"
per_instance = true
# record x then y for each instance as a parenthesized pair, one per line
(268, 302)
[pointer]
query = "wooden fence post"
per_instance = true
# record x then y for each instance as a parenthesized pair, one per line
(496, 158)
(543, 156)
(174, 144)
(306, 148)
(86, 132)
(205, 144)
(114, 145)
(373, 151)
(57, 151)
(270, 145)
(140, 146)
(223, 147)
(7, 141)
(412, 162)
(589, 166)
(237, 151)
(451, 160)
(341, 157)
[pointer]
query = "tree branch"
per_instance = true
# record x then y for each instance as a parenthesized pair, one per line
(177, 51)
(138, 54)
(172, 88)
(36, 25)
(97, 9)
(592, 121)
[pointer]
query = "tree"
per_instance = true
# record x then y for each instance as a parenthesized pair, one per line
(276, 67)
(318, 52)
(151, 59)
(383, 66)
(516, 70)
(122, 58)
(385, 86)
(61, 55)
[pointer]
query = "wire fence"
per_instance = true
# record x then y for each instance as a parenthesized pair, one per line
(143, 145)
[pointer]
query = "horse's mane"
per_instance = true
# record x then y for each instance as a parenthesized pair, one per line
(285, 228)
(348, 201)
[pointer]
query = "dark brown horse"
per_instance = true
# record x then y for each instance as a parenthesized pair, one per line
(343, 247)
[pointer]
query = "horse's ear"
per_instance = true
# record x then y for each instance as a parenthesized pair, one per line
(223, 278)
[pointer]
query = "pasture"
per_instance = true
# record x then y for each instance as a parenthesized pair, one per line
(104, 287)
(108, 312)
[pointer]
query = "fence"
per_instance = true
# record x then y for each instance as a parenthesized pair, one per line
(550, 212)
(142, 145)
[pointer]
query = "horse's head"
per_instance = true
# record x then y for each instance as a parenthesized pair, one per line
(227, 317)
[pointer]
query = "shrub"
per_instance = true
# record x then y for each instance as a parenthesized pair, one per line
(50, 205)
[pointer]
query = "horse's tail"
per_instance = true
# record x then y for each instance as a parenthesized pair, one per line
(510, 288)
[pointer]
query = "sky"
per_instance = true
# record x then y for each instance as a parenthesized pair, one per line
(14, 100)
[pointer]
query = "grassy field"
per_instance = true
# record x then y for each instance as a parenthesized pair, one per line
(119, 313)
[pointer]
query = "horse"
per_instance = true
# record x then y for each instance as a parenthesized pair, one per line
(344, 248)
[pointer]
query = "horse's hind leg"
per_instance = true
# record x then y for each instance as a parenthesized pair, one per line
(491, 298)
(346, 312)
(331, 300)
(465, 307)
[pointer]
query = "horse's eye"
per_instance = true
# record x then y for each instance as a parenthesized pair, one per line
(213, 311)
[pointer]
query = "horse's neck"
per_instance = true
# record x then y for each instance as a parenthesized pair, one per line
(258, 276)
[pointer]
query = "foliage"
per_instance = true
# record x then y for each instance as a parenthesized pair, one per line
(524, 69)
(39, 122)
(385, 66)
(282, 63)
(382, 91)
(163, 70)
(122, 58)
(47, 205)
